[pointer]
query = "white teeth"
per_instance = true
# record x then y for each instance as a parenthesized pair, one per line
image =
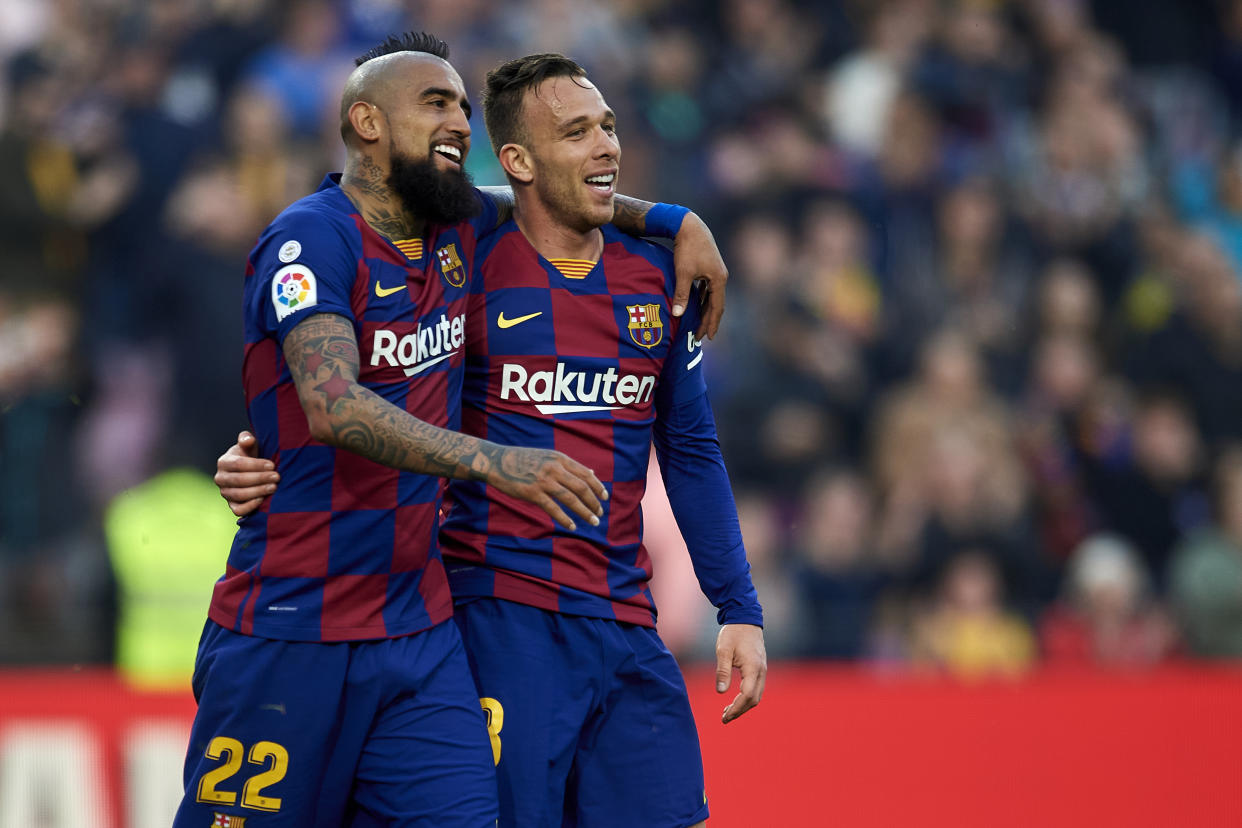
(448, 149)
(602, 179)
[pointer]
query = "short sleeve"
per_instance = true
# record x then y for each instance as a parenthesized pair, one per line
(306, 262)
(487, 218)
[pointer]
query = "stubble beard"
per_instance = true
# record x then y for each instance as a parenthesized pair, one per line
(571, 209)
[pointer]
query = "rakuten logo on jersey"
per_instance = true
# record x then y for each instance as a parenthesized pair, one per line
(566, 392)
(427, 345)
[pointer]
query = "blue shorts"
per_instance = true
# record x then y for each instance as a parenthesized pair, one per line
(290, 733)
(589, 719)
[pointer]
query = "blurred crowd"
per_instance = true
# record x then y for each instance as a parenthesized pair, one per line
(979, 384)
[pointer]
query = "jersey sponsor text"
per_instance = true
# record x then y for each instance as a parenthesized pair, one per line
(418, 351)
(565, 392)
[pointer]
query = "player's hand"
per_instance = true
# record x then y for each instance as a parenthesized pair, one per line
(741, 646)
(550, 480)
(245, 478)
(696, 256)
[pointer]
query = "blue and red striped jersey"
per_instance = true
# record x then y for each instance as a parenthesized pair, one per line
(346, 548)
(579, 358)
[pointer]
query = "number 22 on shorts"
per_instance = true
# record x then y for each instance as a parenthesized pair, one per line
(252, 790)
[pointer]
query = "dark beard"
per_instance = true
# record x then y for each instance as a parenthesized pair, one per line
(432, 194)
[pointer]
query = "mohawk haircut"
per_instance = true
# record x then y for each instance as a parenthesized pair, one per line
(407, 42)
(507, 84)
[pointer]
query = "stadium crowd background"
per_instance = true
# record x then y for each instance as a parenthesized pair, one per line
(979, 382)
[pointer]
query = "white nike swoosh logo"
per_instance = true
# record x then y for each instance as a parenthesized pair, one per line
(517, 320)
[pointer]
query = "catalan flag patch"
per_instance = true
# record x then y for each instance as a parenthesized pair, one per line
(412, 248)
(573, 268)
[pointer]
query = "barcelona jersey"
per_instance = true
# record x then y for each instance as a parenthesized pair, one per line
(346, 548)
(580, 357)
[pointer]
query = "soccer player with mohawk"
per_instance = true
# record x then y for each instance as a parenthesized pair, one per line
(332, 689)
(571, 345)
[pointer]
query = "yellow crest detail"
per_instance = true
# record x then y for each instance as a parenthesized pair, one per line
(451, 268)
(645, 325)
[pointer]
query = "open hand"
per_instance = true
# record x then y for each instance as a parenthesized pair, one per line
(550, 480)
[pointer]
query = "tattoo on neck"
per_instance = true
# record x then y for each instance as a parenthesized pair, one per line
(395, 226)
(370, 180)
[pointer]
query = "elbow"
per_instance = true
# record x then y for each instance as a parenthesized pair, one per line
(320, 425)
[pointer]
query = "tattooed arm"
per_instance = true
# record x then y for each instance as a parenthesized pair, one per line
(322, 355)
(695, 254)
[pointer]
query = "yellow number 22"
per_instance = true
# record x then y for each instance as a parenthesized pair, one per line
(252, 791)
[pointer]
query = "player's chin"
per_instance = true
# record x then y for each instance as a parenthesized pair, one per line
(599, 209)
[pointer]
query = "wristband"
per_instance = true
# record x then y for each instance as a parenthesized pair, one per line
(664, 220)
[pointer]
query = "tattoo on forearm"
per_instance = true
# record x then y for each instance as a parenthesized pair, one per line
(323, 360)
(630, 214)
(384, 433)
(516, 465)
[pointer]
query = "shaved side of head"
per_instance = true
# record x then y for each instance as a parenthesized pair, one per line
(377, 73)
(375, 82)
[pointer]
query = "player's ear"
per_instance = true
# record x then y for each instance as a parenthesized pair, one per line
(366, 121)
(516, 162)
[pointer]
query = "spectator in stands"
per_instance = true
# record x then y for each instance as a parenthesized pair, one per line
(839, 575)
(947, 467)
(1068, 301)
(777, 417)
(1198, 351)
(1153, 491)
(967, 630)
(45, 527)
(1066, 369)
(975, 279)
(304, 70)
(864, 85)
(838, 330)
(1106, 616)
(1205, 581)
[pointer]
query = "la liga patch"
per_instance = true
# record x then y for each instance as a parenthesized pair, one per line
(293, 288)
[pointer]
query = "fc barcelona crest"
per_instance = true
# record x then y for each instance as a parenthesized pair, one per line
(451, 268)
(645, 326)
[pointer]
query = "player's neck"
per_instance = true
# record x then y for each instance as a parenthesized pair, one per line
(553, 239)
(378, 205)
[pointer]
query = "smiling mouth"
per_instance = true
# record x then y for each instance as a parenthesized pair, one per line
(448, 151)
(602, 183)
